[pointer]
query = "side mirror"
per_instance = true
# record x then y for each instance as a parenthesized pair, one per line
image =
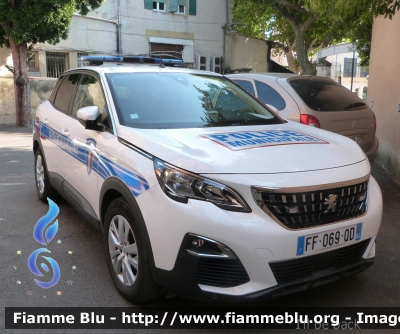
(88, 113)
(88, 117)
(276, 111)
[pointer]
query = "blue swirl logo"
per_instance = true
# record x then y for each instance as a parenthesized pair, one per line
(43, 232)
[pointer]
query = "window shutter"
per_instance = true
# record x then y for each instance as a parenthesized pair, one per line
(173, 6)
(148, 4)
(346, 64)
(192, 7)
(346, 68)
(182, 2)
(355, 67)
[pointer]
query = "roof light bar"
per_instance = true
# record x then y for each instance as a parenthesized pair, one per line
(99, 60)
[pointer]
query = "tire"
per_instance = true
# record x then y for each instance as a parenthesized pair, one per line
(126, 254)
(43, 186)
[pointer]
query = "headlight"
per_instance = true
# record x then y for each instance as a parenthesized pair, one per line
(181, 185)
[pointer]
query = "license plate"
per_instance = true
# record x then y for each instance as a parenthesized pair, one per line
(318, 242)
(356, 138)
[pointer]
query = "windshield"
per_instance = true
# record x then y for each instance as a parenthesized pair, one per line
(324, 95)
(183, 100)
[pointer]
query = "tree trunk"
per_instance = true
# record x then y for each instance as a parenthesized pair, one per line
(21, 84)
(291, 62)
(302, 53)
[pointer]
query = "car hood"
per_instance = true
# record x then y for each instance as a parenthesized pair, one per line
(282, 148)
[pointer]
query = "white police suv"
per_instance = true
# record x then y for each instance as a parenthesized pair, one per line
(198, 188)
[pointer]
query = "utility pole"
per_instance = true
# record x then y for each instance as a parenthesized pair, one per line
(352, 69)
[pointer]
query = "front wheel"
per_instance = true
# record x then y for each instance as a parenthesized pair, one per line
(43, 186)
(126, 254)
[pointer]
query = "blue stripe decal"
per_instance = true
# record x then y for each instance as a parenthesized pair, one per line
(358, 231)
(300, 246)
(100, 164)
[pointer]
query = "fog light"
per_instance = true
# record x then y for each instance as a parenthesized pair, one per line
(205, 247)
(196, 243)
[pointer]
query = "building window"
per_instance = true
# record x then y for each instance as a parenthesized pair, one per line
(348, 66)
(173, 6)
(56, 64)
(166, 50)
(33, 61)
(159, 6)
(181, 7)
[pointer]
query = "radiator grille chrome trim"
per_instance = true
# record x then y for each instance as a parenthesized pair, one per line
(312, 206)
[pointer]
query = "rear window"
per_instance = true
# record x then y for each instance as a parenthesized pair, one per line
(323, 95)
(184, 100)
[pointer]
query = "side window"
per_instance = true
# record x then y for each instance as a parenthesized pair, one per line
(269, 95)
(66, 92)
(89, 93)
(247, 85)
(55, 89)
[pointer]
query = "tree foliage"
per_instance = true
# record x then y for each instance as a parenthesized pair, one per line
(33, 21)
(252, 18)
(345, 9)
(360, 35)
(302, 26)
(290, 23)
(357, 16)
(258, 20)
(23, 22)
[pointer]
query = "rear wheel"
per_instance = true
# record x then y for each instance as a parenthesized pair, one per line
(43, 186)
(126, 254)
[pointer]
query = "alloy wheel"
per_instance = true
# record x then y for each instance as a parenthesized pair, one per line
(123, 250)
(40, 174)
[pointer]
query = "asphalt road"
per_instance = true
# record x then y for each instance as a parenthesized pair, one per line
(89, 284)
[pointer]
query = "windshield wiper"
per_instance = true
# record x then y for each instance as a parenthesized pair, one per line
(353, 105)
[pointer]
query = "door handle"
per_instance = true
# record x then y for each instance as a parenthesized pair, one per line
(65, 132)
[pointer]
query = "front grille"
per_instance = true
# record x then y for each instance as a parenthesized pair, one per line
(299, 210)
(290, 270)
(223, 273)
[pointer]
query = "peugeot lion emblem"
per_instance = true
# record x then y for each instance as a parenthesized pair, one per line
(331, 202)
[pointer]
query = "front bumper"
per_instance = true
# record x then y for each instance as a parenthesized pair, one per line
(254, 238)
(183, 279)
